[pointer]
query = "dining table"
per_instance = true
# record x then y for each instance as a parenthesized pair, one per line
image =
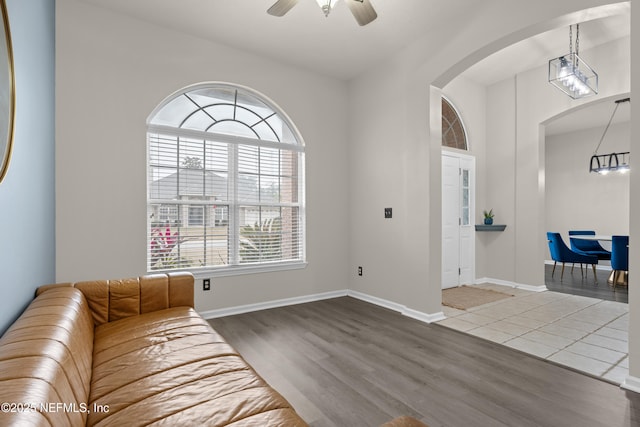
(623, 279)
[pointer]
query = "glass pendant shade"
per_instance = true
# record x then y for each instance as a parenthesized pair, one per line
(326, 5)
(573, 76)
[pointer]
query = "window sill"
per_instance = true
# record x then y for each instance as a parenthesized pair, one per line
(237, 270)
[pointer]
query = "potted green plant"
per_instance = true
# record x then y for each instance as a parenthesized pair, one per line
(488, 217)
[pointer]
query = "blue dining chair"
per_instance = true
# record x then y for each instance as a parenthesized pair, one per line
(619, 256)
(560, 252)
(589, 247)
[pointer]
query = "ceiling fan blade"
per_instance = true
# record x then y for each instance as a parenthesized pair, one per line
(281, 7)
(362, 10)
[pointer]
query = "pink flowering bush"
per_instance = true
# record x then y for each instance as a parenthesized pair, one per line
(161, 244)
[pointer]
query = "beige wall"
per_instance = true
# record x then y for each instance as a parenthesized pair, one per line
(634, 211)
(112, 71)
(501, 181)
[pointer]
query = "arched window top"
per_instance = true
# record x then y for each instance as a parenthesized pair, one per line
(453, 133)
(220, 108)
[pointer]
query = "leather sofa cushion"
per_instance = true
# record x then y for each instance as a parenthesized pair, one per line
(169, 367)
(46, 358)
(111, 300)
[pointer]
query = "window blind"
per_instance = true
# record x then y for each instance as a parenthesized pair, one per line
(226, 189)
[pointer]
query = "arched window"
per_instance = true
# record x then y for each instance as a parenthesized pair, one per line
(225, 182)
(453, 134)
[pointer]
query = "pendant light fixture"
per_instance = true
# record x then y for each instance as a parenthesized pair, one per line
(613, 162)
(571, 74)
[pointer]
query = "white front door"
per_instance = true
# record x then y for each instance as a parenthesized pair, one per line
(458, 230)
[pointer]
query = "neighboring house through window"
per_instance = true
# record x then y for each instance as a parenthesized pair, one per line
(225, 182)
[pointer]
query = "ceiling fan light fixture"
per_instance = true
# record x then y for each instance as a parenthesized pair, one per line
(326, 5)
(362, 10)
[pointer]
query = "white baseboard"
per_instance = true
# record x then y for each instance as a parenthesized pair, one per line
(240, 309)
(404, 310)
(631, 383)
(424, 317)
(501, 282)
(377, 301)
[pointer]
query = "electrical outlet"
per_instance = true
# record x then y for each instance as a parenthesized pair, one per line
(206, 284)
(388, 213)
(359, 271)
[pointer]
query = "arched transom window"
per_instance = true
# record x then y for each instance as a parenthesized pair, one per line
(225, 182)
(453, 134)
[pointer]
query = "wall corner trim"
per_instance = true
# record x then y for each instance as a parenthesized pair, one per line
(376, 301)
(404, 310)
(424, 317)
(631, 383)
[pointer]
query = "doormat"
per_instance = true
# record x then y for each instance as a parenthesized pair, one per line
(465, 297)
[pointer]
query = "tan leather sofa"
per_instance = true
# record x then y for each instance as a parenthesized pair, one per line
(124, 353)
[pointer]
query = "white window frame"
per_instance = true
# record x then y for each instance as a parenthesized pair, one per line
(234, 267)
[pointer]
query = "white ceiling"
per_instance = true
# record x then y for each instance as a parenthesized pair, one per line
(594, 115)
(336, 46)
(538, 50)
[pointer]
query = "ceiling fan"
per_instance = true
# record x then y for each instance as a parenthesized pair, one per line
(362, 10)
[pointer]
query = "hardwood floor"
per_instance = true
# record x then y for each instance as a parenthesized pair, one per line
(585, 286)
(344, 362)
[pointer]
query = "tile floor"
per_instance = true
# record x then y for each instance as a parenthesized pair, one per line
(586, 334)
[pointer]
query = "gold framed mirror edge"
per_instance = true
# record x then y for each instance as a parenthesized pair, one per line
(5, 157)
